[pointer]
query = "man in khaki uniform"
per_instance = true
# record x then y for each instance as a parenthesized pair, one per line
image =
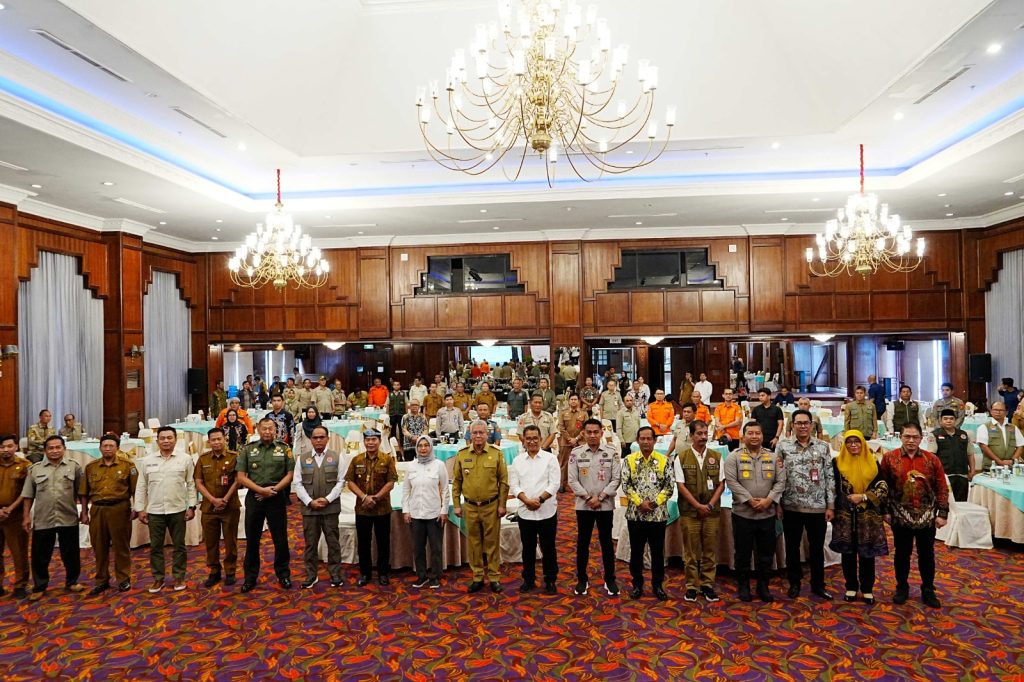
(948, 401)
(570, 426)
(218, 399)
(486, 396)
(371, 476)
(860, 415)
(479, 490)
(13, 471)
(628, 423)
(433, 402)
(217, 482)
(37, 435)
(358, 399)
(698, 476)
(544, 421)
(462, 400)
(71, 430)
(106, 491)
(322, 399)
(339, 399)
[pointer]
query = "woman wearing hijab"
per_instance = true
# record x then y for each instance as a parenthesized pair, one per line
(304, 431)
(426, 496)
(858, 530)
(235, 431)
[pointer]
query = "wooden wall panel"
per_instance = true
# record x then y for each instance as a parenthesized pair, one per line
(767, 288)
(646, 308)
(486, 312)
(374, 314)
(682, 307)
(453, 312)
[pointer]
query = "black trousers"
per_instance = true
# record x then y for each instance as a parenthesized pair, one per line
(530, 531)
(366, 528)
(273, 511)
(42, 551)
(958, 485)
(750, 534)
(793, 526)
(396, 426)
(426, 531)
(862, 580)
(903, 540)
(643, 533)
(585, 520)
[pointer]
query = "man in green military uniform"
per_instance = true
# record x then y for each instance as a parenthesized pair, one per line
(1000, 441)
(905, 410)
(948, 402)
(266, 468)
(218, 400)
(953, 448)
(217, 482)
(106, 491)
(479, 490)
(860, 414)
(371, 476)
(37, 435)
(698, 476)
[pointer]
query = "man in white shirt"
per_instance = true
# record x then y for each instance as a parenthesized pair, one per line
(638, 396)
(165, 498)
(1000, 441)
(704, 386)
(318, 486)
(417, 391)
(534, 478)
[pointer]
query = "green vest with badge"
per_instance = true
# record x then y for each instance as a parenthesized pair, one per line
(1002, 447)
(265, 463)
(701, 482)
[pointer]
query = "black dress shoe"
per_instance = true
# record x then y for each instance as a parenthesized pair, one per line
(763, 593)
(793, 592)
(19, 593)
(527, 587)
(383, 580)
(744, 592)
(931, 600)
(636, 592)
(125, 586)
(247, 587)
(309, 582)
(850, 596)
(230, 580)
(212, 580)
(550, 587)
(285, 583)
(660, 593)
(363, 581)
(495, 586)
(822, 593)
(901, 596)
(99, 589)
(475, 586)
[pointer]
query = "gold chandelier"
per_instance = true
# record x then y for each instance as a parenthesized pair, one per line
(864, 237)
(277, 252)
(545, 78)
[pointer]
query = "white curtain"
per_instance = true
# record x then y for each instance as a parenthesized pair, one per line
(167, 329)
(1004, 327)
(60, 337)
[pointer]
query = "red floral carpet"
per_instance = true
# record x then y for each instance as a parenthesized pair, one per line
(402, 633)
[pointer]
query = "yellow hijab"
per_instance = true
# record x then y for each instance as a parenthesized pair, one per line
(859, 470)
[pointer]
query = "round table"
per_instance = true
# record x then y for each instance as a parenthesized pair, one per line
(1005, 503)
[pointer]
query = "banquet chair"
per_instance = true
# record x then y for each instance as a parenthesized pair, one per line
(968, 525)
(23, 444)
(154, 423)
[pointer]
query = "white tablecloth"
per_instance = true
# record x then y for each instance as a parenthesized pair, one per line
(1007, 519)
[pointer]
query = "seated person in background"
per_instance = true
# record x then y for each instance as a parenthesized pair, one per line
(784, 397)
(243, 416)
(71, 430)
(483, 413)
(804, 403)
(358, 399)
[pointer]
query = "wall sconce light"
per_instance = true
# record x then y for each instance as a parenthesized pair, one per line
(7, 353)
(136, 351)
(652, 340)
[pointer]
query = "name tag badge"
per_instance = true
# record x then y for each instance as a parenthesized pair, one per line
(652, 477)
(600, 474)
(711, 484)
(224, 479)
(814, 474)
(152, 467)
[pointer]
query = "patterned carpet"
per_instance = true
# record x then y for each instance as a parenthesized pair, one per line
(403, 633)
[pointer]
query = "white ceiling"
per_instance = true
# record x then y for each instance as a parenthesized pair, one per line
(324, 89)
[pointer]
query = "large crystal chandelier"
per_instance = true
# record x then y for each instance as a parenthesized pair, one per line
(864, 237)
(278, 252)
(544, 78)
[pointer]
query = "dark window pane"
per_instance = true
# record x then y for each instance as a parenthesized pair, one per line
(698, 272)
(667, 269)
(659, 269)
(468, 274)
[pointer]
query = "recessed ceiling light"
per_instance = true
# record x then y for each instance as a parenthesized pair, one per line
(949, 215)
(218, 229)
(946, 205)
(639, 222)
(40, 187)
(1005, 194)
(783, 219)
(327, 217)
(214, 238)
(568, 208)
(163, 222)
(108, 183)
(496, 228)
(815, 199)
(994, 48)
(219, 220)
(776, 145)
(942, 195)
(360, 231)
(629, 151)
(898, 116)
(242, 147)
(483, 210)
(2, 6)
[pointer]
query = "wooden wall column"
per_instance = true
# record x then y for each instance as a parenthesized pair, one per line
(9, 326)
(123, 407)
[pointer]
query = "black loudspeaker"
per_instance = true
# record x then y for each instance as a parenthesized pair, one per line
(979, 367)
(895, 345)
(196, 381)
(302, 353)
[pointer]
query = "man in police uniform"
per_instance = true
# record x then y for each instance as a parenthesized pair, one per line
(544, 421)
(698, 476)
(953, 448)
(106, 490)
(905, 410)
(218, 399)
(371, 476)
(757, 479)
(318, 487)
(595, 469)
(948, 402)
(217, 482)
(37, 435)
(13, 471)
(266, 469)
(860, 414)
(479, 490)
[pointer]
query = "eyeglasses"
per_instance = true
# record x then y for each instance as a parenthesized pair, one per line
(802, 423)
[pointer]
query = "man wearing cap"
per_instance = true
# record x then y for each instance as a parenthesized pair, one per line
(479, 489)
(266, 468)
(953, 448)
(217, 481)
(322, 399)
(106, 490)
(318, 487)
(371, 476)
(13, 472)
